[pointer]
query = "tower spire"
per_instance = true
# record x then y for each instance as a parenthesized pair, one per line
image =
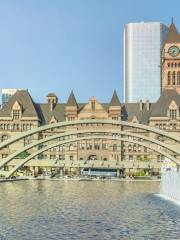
(72, 100)
(172, 20)
(115, 100)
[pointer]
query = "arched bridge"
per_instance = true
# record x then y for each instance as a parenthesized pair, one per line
(59, 134)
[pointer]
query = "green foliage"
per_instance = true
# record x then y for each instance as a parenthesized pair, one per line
(140, 174)
(23, 155)
(143, 158)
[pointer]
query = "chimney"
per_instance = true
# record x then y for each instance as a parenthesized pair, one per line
(147, 105)
(141, 105)
(52, 100)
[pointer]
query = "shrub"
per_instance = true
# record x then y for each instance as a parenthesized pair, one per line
(23, 155)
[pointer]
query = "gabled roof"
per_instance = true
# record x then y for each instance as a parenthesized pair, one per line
(46, 115)
(161, 107)
(115, 100)
(72, 100)
(24, 99)
(173, 36)
(131, 110)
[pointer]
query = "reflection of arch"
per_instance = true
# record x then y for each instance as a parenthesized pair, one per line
(9, 174)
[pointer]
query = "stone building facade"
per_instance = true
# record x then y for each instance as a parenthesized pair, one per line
(22, 114)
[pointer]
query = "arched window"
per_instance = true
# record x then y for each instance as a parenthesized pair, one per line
(173, 113)
(175, 64)
(4, 138)
(16, 127)
(114, 147)
(71, 147)
(27, 140)
(178, 78)
(172, 64)
(71, 158)
(174, 78)
(60, 148)
(16, 114)
(169, 78)
(168, 64)
(6, 127)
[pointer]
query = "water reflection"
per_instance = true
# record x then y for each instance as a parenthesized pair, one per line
(86, 210)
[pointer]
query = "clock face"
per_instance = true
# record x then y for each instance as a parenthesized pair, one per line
(173, 51)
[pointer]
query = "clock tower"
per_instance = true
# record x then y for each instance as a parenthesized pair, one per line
(171, 60)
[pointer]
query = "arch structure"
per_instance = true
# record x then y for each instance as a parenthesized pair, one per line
(63, 133)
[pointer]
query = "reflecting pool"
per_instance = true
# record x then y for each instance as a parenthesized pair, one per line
(86, 210)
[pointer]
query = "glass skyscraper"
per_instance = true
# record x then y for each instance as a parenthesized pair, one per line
(7, 93)
(142, 60)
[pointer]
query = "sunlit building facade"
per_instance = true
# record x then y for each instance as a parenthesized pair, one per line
(22, 114)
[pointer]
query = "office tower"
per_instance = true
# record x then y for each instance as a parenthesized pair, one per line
(7, 93)
(142, 60)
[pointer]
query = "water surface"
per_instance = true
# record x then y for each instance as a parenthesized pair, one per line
(86, 210)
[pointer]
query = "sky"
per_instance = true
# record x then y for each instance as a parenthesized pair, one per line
(63, 45)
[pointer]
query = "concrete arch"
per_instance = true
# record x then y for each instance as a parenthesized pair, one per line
(10, 173)
(90, 121)
(71, 133)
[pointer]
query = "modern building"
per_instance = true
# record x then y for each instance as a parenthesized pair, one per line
(7, 93)
(171, 60)
(143, 42)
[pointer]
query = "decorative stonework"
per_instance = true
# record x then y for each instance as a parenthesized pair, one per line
(171, 60)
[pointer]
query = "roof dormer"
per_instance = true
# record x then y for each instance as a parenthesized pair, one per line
(53, 120)
(173, 110)
(16, 112)
(134, 119)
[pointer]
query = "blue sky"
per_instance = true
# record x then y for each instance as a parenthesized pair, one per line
(59, 45)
